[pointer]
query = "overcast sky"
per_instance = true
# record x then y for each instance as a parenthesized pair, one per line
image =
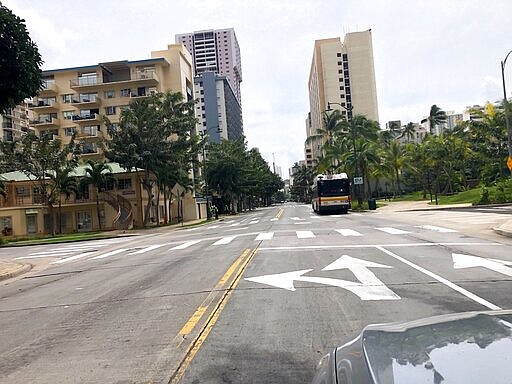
(426, 52)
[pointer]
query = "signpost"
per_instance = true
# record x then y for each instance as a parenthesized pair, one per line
(358, 181)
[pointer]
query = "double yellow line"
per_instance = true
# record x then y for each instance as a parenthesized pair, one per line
(233, 274)
(279, 213)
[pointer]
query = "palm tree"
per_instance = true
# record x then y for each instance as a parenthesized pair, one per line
(63, 184)
(409, 131)
(436, 117)
(99, 175)
(394, 157)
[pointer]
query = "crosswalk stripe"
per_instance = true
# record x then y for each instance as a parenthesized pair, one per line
(305, 234)
(147, 249)
(392, 231)
(254, 222)
(348, 232)
(43, 254)
(234, 225)
(51, 252)
(185, 245)
(213, 226)
(225, 240)
(265, 236)
(436, 229)
(274, 219)
(76, 257)
(112, 253)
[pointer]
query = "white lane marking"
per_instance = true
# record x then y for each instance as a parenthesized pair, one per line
(235, 229)
(461, 261)
(53, 251)
(436, 229)
(393, 245)
(305, 234)
(348, 232)
(147, 249)
(213, 226)
(49, 254)
(356, 214)
(254, 222)
(225, 240)
(72, 258)
(392, 231)
(302, 223)
(442, 280)
(274, 219)
(108, 254)
(234, 225)
(264, 236)
(229, 222)
(296, 218)
(185, 245)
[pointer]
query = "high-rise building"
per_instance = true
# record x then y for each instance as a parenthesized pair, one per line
(14, 123)
(218, 111)
(342, 74)
(215, 51)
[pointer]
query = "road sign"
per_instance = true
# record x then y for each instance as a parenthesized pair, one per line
(368, 288)
(509, 163)
(358, 180)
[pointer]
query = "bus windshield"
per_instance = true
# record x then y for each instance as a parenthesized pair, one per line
(333, 188)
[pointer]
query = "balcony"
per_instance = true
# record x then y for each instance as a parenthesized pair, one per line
(85, 83)
(89, 118)
(45, 122)
(42, 106)
(49, 89)
(86, 102)
(84, 134)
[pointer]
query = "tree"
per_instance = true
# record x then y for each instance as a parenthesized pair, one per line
(20, 61)
(436, 117)
(99, 175)
(40, 158)
(394, 157)
(153, 133)
(409, 131)
(64, 184)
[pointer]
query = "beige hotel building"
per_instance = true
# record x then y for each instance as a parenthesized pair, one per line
(76, 100)
(342, 73)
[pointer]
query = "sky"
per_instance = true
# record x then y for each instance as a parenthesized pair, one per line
(444, 52)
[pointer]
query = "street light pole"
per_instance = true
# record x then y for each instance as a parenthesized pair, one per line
(349, 109)
(203, 134)
(507, 121)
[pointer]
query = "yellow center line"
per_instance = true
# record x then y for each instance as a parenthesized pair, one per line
(198, 314)
(196, 345)
(279, 213)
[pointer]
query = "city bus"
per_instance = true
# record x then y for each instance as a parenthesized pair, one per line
(331, 193)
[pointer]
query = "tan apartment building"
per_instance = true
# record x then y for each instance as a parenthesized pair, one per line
(75, 100)
(340, 73)
(15, 122)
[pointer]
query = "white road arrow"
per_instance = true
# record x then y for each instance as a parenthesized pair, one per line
(369, 288)
(466, 261)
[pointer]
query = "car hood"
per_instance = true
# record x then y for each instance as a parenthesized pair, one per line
(472, 347)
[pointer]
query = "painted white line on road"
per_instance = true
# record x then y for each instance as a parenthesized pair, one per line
(305, 234)
(442, 280)
(72, 258)
(348, 232)
(296, 218)
(234, 225)
(274, 219)
(147, 249)
(235, 229)
(108, 254)
(254, 222)
(45, 254)
(302, 223)
(392, 231)
(213, 227)
(264, 236)
(436, 229)
(308, 247)
(185, 245)
(225, 240)
(53, 251)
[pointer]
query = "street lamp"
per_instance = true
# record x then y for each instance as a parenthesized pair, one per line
(507, 122)
(349, 109)
(203, 134)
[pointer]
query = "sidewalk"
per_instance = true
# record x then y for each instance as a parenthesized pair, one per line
(504, 229)
(9, 269)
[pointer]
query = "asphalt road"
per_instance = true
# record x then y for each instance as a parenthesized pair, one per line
(258, 299)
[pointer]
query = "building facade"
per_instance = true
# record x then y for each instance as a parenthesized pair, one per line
(215, 51)
(15, 122)
(218, 111)
(76, 101)
(342, 74)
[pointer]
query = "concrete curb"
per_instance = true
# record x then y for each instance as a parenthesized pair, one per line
(504, 229)
(22, 268)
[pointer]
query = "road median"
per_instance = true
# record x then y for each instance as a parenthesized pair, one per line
(9, 269)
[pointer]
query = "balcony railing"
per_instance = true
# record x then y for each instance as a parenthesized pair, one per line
(42, 104)
(49, 87)
(86, 101)
(88, 117)
(45, 121)
(85, 82)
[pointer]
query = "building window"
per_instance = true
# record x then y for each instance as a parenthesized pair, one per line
(340, 63)
(110, 94)
(67, 98)
(110, 110)
(345, 57)
(340, 70)
(84, 220)
(124, 184)
(338, 54)
(125, 92)
(69, 131)
(91, 130)
(22, 191)
(6, 225)
(68, 115)
(89, 148)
